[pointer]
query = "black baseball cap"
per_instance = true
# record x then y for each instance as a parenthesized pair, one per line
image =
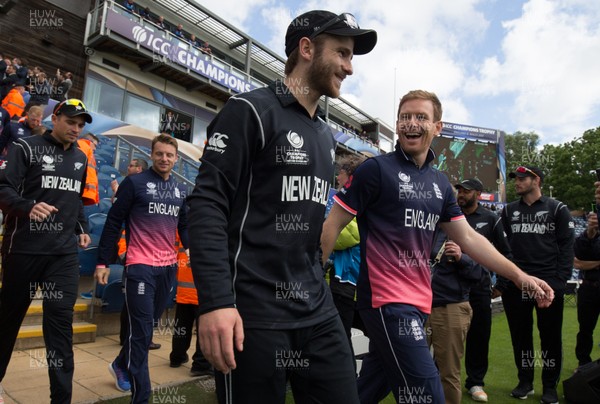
(470, 184)
(527, 171)
(72, 107)
(316, 22)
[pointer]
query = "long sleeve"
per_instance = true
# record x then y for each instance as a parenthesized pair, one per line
(11, 183)
(565, 238)
(117, 215)
(224, 175)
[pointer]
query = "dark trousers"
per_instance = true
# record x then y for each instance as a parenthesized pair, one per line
(519, 313)
(398, 360)
(588, 310)
(185, 317)
(478, 337)
(57, 276)
(146, 291)
(316, 360)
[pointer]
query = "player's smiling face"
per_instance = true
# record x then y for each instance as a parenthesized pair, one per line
(416, 127)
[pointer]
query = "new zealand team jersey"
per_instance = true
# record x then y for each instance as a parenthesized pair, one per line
(257, 211)
(151, 208)
(541, 236)
(41, 170)
(398, 206)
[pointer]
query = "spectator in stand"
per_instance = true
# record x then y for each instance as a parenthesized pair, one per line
(540, 232)
(161, 22)
(129, 6)
(3, 66)
(194, 42)
(40, 90)
(206, 48)
(21, 70)
(22, 128)
(587, 260)
(9, 81)
(63, 86)
(145, 13)
(39, 130)
(14, 102)
(186, 314)
(179, 31)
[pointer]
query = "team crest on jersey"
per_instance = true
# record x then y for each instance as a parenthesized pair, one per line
(48, 163)
(150, 188)
(292, 154)
(515, 215)
(404, 177)
(437, 191)
(480, 225)
(177, 193)
(78, 165)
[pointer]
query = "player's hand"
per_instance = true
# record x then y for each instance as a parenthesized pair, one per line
(220, 331)
(101, 275)
(41, 211)
(114, 185)
(452, 249)
(496, 293)
(537, 289)
(84, 240)
(597, 194)
(592, 225)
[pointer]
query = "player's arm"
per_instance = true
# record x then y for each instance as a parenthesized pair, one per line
(11, 183)
(482, 251)
(336, 221)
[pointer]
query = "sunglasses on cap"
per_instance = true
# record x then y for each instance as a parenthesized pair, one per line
(71, 101)
(525, 170)
(333, 21)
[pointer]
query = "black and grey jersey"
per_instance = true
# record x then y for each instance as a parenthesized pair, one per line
(40, 170)
(541, 237)
(257, 211)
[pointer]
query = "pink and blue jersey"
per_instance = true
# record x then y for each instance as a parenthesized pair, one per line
(151, 208)
(398, 206)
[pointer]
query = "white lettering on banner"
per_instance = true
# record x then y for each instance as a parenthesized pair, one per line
(62, 183)
(420, 219)
(295, 188)
(163, 209)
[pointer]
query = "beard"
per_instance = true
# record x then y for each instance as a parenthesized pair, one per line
(319, 77)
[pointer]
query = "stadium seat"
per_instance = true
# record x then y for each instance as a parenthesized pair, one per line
(110, 296)
(110, 170)
(89, 210)
(96, 223)
(105, 205)
(87, 260)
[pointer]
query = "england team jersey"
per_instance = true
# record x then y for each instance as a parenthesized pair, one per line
(398, 206)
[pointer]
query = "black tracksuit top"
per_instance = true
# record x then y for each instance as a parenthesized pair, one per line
(257, 211)
(40, 170)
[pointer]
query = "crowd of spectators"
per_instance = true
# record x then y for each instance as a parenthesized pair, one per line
(160, 22)
(23, 87)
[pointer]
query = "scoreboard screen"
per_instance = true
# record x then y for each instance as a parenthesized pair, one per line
(461, 159)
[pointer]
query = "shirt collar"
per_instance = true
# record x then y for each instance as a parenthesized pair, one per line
(401, 153)
(48, 136)
(286, 98)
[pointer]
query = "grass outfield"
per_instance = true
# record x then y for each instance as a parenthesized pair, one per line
(500, 380)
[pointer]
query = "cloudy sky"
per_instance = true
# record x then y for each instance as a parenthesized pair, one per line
(514, 65)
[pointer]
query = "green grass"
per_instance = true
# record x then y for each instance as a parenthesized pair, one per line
(500, 380)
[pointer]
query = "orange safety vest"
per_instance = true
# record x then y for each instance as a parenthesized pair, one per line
(186, 289)
(91, 196)
(14, 103)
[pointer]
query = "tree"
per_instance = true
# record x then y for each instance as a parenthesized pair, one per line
(521, 149)
(569, 167)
